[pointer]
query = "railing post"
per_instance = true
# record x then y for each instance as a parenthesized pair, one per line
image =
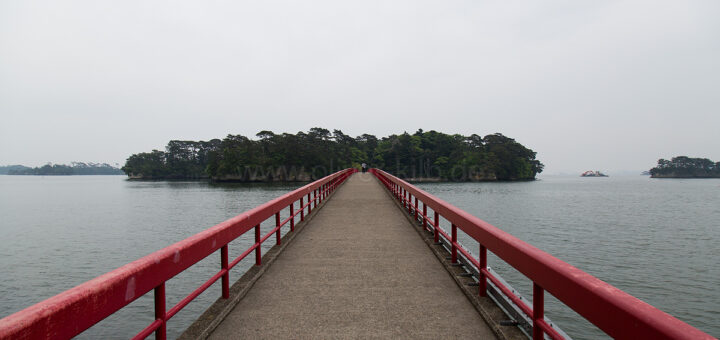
(161, 332)
(538, 311)
(309, 204)
(409, 203)
(292, 216)
(437, 227)
(277, 226)
(302, 209)
(453, 249)
(258, 250)
(416, 209)
(424, 216)
(226, 276)
(482, 284)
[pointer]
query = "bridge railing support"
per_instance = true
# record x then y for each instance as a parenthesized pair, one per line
(613, 311)
(77, 309)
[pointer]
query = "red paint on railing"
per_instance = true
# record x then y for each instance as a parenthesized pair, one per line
(77, 309)
(615, 312)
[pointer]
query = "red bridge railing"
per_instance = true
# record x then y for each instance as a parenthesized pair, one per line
(77, 309)
(620, 315)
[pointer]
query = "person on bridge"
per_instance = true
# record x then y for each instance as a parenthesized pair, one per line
(364, 167)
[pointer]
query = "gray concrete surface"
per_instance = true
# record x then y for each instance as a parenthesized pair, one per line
(358, 270)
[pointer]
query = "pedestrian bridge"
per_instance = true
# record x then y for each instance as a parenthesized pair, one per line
(367, 255)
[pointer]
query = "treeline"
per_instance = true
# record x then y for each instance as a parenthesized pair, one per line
(75, 168)
(686, 167)
(5, 169)
(309, 155)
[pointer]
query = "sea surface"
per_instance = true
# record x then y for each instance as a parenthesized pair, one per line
(657, 239)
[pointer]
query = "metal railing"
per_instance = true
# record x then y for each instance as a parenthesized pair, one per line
(619, 314)
(77, 309)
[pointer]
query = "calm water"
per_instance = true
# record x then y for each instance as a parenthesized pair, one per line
(655, 239)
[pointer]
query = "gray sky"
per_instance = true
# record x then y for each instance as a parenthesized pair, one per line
(603, 85)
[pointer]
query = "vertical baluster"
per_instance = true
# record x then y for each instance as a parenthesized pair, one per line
(226, 276)
(309, 204)
(302, 209)
(454, 250)
(437, 227)
(416, 209)
(258, 251)
(161, 332)
(409, 201)
(424, 222)
(482, 286)
(292, 216)
(538, 311)
(277, 226)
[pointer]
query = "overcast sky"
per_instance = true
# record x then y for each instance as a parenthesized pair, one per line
(605, 85)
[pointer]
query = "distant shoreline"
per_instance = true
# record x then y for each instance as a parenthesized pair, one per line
(74, 169)
(683, 177)
(61, 175)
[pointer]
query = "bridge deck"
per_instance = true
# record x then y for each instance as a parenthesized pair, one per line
(358, 269)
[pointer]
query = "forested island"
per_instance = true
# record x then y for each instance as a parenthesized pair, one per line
(686, 167)
(75, 168)
(305, 156)
(5, 169)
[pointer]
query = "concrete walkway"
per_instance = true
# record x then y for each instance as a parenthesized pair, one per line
(358, 270)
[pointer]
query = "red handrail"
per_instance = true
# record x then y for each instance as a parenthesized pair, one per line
(615, 312)
(77, 309)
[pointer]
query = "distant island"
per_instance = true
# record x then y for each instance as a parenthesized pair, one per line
(5, 169)
(422, 156)
(591, 173)
(686, 167)
(75, 168)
